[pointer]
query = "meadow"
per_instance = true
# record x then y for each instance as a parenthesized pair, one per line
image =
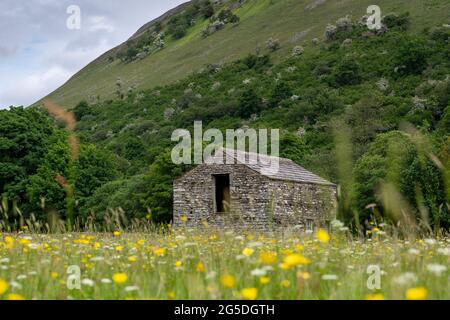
(205, 264)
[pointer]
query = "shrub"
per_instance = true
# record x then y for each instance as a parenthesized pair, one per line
(298, 51)
(249, 103)
(207, 10)
(348, 72)
(331, 32)
(82, 109)
(395, 21)
(411, 57)
(273, 44)
(394, 158)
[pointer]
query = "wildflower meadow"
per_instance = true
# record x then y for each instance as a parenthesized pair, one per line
(193, 264)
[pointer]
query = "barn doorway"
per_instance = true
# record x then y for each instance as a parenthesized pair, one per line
(222, 189)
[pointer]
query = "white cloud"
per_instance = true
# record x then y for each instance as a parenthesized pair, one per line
(34, 85)
(100, 23)
(39, 54)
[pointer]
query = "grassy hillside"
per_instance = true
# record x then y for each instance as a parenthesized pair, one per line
(293, 22)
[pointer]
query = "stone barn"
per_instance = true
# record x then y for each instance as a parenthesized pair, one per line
(239, 194)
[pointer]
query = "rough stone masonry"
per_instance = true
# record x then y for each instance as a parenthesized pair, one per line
(240, 196)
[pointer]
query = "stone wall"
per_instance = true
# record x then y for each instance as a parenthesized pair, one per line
(292, 203)
(257, 202)
(194, 195)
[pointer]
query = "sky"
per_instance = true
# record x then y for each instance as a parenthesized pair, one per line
(44, 42)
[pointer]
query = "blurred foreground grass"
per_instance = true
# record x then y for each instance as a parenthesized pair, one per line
(193, 264)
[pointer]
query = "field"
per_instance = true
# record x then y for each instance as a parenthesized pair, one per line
(189, 264)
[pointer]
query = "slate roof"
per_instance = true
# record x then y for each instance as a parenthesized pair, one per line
(287, 169)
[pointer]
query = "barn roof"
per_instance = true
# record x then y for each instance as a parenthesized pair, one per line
(287, 169)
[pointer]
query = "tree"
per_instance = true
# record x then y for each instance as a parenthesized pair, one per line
(158, 195)
(282, 91)
(393, 21)
(178, 31)
(411, 57)
(25, 136)
(394, 158)
(94, 168)
(82, 109)
(444, 124)
(47, 188)
(207, 9)
(293, 147)
(348, 72)
(249, 103)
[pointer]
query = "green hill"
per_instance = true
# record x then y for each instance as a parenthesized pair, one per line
(293, 22)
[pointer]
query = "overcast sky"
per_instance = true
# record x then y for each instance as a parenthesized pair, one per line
(38, 52)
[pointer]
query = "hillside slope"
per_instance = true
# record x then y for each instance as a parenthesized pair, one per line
(293, 22)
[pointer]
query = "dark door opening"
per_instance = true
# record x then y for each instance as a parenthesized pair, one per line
(222, 184)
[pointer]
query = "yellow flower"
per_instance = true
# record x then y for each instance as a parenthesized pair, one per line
(375, 230)
(375, 296)
(248, 252)
(9, 239)
(117, 233)
(171, 295)
(120, 278)
(24, 242)
(264, 280)
(322, 236)
(96, 245)
(178, 264)
(119, 248)
(228, 281)
(268, 257)
(184, 219)
(419, 293)
(54, 275)
(294, 260)
(285, 283)
(250, 293)
(200, 267)
(3, 286)
(159, 252)
(132, 259)
(303, 275)
(14, 296)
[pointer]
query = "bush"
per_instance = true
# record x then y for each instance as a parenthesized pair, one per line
(395, 21)
(207, 10)
(298, 51)
(178, 31)
(411, 57)
(348, 72)
(281, 91)
(249, 103)
(256, 62)
(82, 109)
(273, 44)
(394, 158)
